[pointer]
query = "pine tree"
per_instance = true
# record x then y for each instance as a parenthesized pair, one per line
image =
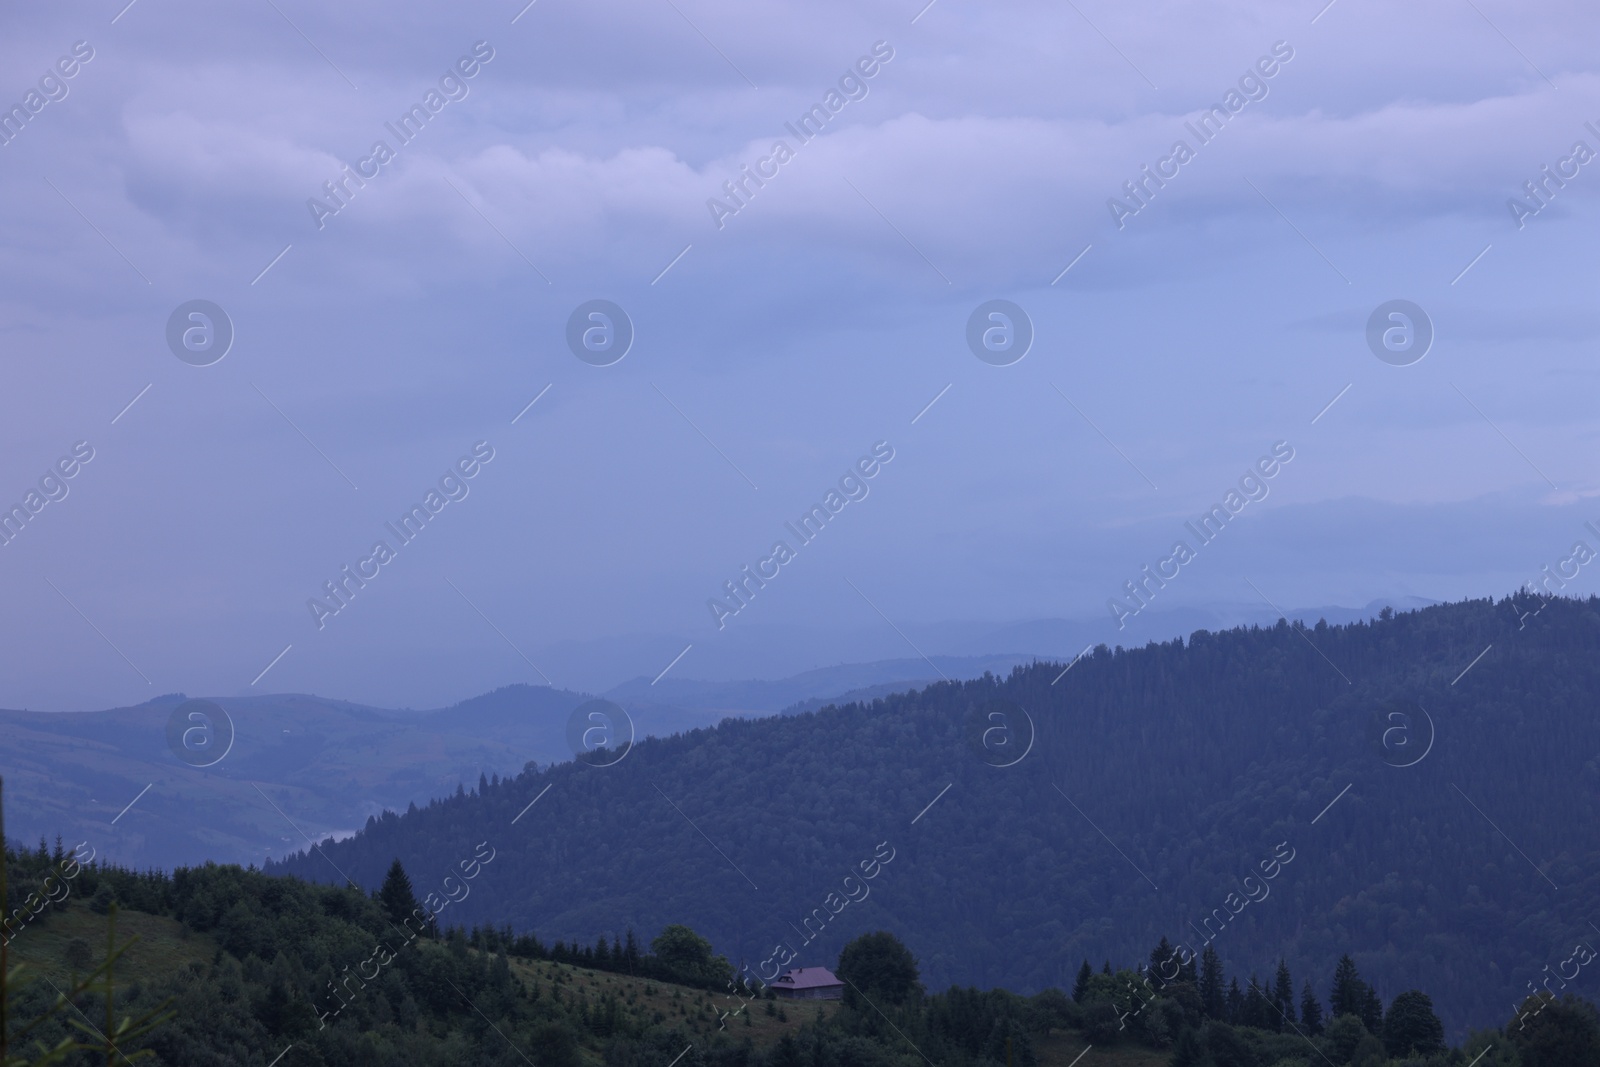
(1212, 993)
(630, 953)
(1283, 996)
(1162, 971)
(1081, 986)
(396, 897)
(1235, 1008)
(1257, 1012)
(1348, 993)
(1104, 970)
(1310, 1011)
(1372, 1011)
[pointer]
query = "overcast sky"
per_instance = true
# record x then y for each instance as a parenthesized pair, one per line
(774, 346)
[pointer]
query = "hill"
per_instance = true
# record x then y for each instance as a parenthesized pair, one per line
(329, 764)
(1161, 783)
(274, 971)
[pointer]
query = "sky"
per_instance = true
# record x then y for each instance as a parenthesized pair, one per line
(388, 336)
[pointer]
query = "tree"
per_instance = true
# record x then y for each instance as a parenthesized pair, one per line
(1283, 997)
(687, 956)
(1368, 1053)
(1372, 1011)
(1102, 1022)
(1349, 993)
(1235, 1009)
(1412, 1027)
(1556, 1033)
(1345, 1032)
(1081, 986)
(679, 945)
(1162, 969)
(877, 966)
(1310, 1011)
(1189, 1052)
(1256, 1011)
(396, 897)
(1050, 1009)
(1227, 1047)
(1212, 993)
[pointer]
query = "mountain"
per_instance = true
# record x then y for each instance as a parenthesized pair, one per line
(1407, 789)
(742, 697)
(783, 651)
(329, 764)
(109, 777)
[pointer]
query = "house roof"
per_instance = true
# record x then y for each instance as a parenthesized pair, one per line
(808, 978)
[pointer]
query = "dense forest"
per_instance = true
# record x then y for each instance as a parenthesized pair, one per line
(261, 971)
(1407, 781)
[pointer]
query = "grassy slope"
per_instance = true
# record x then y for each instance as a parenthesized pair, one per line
(163, 946)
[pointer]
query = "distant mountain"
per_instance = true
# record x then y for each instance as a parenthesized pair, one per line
(787, 651)
(326, 764)
(747, 696)
(1414, 790)
(338, 762)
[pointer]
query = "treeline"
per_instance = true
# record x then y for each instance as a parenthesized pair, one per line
(1193, 1007)
(288, 977)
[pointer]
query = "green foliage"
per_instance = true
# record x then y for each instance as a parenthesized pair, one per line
(396, 897)
(1548, 1032)
(1081, 985)
(1310, 1011)
(1344, 1034)
(1411, 1026)
(79, 955)
(880, 968)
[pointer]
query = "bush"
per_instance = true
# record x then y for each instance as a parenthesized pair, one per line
(80, 957)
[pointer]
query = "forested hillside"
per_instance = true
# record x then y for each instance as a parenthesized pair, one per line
(225, 965)
(1283, 792)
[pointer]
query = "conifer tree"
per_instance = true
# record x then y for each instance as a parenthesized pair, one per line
(1161, 971)
(1347, 996)
(1310, 1011)
(1283, 997)
(1212, 994)
(1235, 1008)
(630, 953)
(396, 897)
(1081, 986)
(1372, 1011)
(1257, 1011)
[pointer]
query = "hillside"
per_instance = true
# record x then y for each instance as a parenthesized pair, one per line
(1159, 779)
(251, 963)
(329, 764)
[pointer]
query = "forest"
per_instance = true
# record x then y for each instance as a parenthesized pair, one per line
(275, 971)
(1408, 780)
